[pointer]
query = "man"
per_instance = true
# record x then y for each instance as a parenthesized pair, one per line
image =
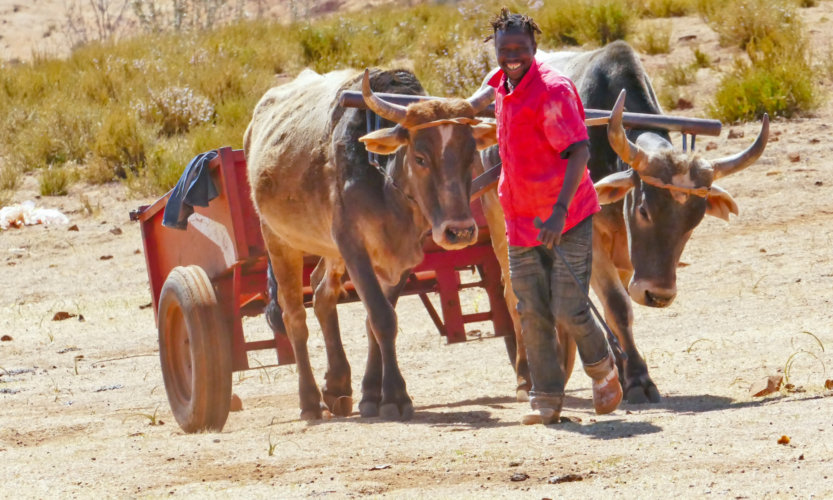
(548, 199)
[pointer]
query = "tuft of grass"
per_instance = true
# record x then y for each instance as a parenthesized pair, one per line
(701, 59)
(664, 8)
(55, 181)
(695, 343)
(808, 3)
(152, 419)
(739, 22)
(677, 75)
(791, 360)
(778, 79)
(668, 97)
(655, 38)
(272, 446)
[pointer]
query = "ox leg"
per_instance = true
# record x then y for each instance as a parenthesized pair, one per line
(607, 283)
(326, 281)
(288, 268)
(373, 402)
(514, 346)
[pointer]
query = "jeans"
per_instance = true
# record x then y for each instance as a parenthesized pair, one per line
(547, 295)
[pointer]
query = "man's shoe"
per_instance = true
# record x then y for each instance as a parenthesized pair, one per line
(607, 393)
(544, 416)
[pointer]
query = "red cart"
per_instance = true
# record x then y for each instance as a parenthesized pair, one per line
(205, 279)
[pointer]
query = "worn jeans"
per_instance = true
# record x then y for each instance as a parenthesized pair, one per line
(547, 295)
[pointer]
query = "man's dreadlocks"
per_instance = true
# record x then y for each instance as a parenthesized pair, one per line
(506, 20)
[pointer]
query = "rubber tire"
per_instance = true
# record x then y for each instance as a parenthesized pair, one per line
(195, 351)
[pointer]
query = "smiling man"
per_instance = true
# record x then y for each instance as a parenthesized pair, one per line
(548, 199)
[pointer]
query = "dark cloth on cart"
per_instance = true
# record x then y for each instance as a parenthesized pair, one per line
(194, 189)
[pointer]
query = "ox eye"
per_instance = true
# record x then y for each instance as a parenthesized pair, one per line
(643, 212)
(419, 160)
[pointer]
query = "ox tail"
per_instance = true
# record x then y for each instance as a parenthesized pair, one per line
(274, 313)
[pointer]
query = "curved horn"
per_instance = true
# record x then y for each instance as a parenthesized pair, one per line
(731, 164)
(629, 152)
(386, 110)
(482, 98)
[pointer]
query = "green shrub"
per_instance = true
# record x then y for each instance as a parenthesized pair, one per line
(778, 80)
(654, 38)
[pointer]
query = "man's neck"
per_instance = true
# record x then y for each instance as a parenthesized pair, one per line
(513, 84)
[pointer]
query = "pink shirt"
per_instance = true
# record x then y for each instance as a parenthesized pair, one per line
(536, 122)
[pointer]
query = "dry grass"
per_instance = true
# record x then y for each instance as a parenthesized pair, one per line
(137, 108)
(740, 22)
(654, 38)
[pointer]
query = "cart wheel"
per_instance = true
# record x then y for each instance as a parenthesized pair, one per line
(195, 351)
(568, 352)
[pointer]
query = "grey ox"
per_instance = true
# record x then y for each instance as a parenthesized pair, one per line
(652, 199)
(316, 193)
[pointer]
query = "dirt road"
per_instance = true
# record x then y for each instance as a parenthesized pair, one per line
(76, 427)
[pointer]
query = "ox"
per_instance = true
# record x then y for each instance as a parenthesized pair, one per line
(652, 199)
(316, 193)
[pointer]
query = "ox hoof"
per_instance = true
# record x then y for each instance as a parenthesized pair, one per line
(522, 396)
(320, 414)
(390, 411)
(340, 406)
(642, 395)
(368, 409)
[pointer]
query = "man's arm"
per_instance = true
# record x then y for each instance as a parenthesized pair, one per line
(563, 124)
(551, 229)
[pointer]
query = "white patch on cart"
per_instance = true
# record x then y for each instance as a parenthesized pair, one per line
(217, 233)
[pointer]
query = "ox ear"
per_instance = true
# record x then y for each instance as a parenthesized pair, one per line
(614, 187)
(485, 134)
(385, 141)
(720, 204)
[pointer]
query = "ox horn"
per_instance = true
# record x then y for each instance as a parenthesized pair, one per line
(732, 164)
(629, 152)
(386, 110)
(482, 98)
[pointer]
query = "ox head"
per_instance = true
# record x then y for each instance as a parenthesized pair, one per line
(666, 196)
(441, 137)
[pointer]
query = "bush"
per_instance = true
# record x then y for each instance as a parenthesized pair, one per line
(176, 109)
(701, 59)
(55, 181)
(604, 21)
(678, 74)
(655, 38)
(663, 8)
(778, 80)
(740, 22)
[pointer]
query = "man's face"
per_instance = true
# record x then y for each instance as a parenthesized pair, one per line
(515, 50)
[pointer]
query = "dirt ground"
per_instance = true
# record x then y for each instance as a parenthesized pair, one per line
(72, 427)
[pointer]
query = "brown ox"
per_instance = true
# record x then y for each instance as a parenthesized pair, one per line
(316, 193)
(652, 196)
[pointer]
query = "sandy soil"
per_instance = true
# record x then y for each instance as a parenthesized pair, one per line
(73, 429)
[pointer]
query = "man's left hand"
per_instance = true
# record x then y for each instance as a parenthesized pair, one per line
(551, 229)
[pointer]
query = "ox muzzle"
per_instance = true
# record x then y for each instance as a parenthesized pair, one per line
(454, 235)
(647, 293)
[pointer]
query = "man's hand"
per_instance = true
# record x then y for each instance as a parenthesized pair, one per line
(552, 228)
